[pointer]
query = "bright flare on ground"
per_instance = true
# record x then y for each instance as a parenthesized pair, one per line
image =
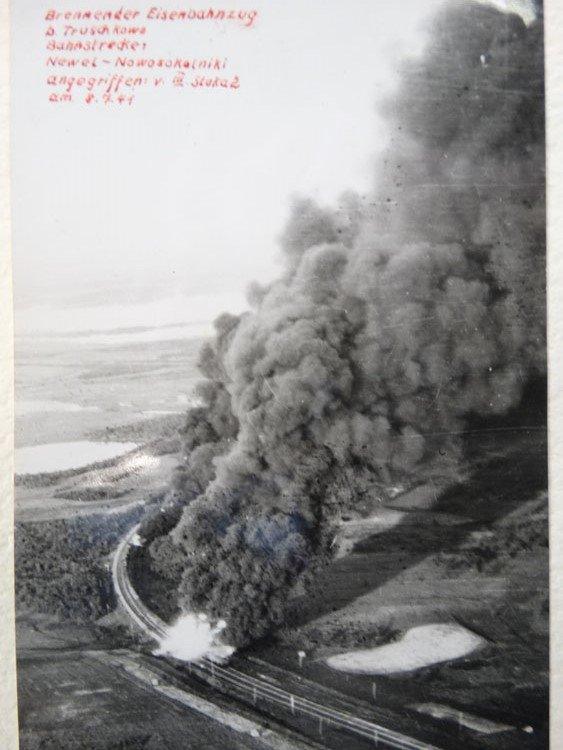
(193, 637)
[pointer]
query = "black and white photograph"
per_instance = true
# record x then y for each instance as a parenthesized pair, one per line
(281, 447)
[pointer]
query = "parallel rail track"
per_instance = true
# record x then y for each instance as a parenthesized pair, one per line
(246, 686)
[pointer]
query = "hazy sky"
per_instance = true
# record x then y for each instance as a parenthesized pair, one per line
(177, 201)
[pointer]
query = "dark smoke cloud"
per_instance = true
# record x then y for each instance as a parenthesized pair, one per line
(397, 316)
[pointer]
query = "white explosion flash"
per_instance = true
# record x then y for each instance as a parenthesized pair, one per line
(192, 637)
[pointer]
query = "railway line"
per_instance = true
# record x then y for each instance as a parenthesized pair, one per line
(244, 686)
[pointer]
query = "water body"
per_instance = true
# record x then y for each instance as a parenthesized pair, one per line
(50, 457)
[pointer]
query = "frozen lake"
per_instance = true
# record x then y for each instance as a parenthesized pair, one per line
(37, 459)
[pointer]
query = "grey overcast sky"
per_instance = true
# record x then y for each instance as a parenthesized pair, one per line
(176, 202)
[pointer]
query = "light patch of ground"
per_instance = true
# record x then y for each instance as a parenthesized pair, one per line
(128, 483)
(477, 723)
(351, 532)
(422, 497)
(419, 647)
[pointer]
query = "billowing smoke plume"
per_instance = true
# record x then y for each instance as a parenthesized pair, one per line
(397, 316)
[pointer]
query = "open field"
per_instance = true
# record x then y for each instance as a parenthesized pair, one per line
(109, 384)
(474, 555)
(127, 482)
(71, 694)
(80, 699)
(477, 557)
(94, 388)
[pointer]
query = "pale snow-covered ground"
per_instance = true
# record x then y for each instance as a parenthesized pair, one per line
(465, 719)
(419, 647)
(351, 532)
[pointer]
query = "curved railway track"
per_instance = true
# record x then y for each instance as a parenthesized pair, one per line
(244, 686)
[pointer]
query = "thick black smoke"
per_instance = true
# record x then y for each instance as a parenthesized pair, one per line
(397, 316)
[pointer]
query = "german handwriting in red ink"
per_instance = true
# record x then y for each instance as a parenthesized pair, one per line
(99, 45)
